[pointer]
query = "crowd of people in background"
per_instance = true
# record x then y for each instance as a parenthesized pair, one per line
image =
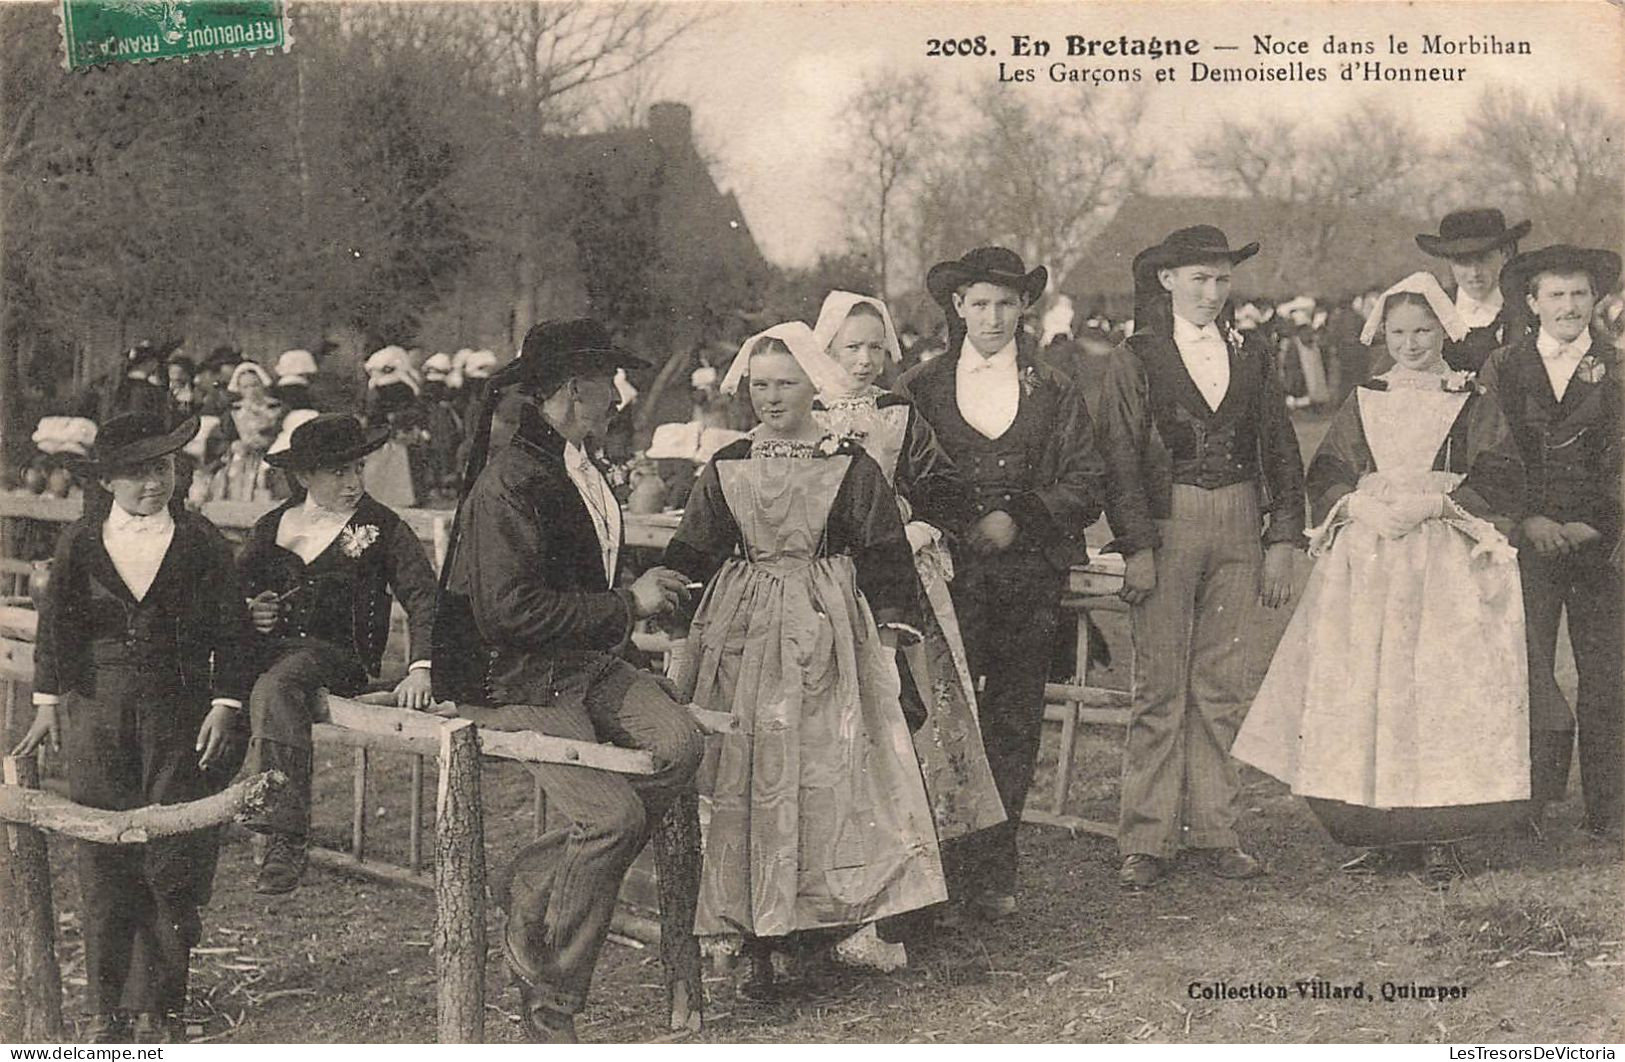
(875, 537)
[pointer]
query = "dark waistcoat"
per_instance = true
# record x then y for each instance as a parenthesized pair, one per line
(1207, 448)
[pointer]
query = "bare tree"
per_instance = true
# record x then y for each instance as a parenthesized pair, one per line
(1042, 181)
(1559, 160)
(887, 129)
(1323, 182)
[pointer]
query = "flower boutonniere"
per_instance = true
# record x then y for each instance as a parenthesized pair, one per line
(1591, 369)
(1029, 380)
(355, 540)
(1462, 381)
(829, 446)
(1237, 341)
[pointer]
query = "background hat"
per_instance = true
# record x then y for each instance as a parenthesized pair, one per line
(325, 440)
(293, 420)
(992, 265)
(392, 365)
(295, 366)
(131, 438)
(555, 351)
(1602, 266)
(1463, 233)
(247, 368)
(479, 365)
(65, 435)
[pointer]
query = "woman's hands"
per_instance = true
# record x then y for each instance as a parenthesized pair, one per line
(1397, 516)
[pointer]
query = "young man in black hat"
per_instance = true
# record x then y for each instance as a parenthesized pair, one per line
(532, 615)
(319, 569)
(139, 670)
(1478, 244)
(1206, 500)
(1560, 388)
(1019, 434)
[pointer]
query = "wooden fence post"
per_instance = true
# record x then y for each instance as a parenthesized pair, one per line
(459, 880)
(677, 872)
(30, 921)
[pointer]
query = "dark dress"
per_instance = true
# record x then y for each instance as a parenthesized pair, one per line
(135, 680)
(819, 813)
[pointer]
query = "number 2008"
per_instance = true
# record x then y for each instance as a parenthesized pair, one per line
(963, 46)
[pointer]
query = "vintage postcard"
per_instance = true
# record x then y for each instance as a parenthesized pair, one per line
(875, 522)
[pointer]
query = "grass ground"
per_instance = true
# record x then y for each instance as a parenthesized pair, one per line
(1533, 935)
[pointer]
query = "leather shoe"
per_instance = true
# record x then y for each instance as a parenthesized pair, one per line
(1140, 871)
(1233, 863)
(285, 858)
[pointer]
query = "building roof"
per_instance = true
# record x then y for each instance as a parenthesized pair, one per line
(1371, 247)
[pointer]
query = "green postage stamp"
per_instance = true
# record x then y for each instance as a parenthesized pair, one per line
(125, 31)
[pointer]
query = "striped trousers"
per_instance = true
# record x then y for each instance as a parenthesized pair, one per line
(1192, 681)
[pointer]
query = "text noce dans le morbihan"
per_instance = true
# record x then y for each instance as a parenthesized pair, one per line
(1265, 57)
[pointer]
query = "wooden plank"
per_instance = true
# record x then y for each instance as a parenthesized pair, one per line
(19, 622)
(358, 806)
(1069, 822)
(523, 745)
(527, 746)
(1086, 696)
(16, 660)
(332, 734)
(414, 843)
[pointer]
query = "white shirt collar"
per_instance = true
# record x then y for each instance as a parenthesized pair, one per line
(1475, 312)
(1185, 332)
(121, 522)
(1551, 347)
(1002, 362)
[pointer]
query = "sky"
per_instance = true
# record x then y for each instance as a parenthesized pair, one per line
(767, 80)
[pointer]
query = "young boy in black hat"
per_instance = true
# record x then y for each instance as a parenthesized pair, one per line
(320, 569)
(1477, 243)
(139, 672)
(1207, 503)
(1017, 430)
(532, 615)
(1560, 388)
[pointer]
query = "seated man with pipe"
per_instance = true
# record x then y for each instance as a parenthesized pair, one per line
(531, 616)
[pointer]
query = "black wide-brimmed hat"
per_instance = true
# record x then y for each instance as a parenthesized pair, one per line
(1602, 266)
(556, 351)
(327, 440)
(1188, 246)
(990, 265)
(1464, 233)
(133, 438)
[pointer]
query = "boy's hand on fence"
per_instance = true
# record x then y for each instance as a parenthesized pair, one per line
(414, 691)
(214, 736)
(44, 726)
(264, 611)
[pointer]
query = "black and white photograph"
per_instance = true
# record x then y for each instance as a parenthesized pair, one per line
(812, 521)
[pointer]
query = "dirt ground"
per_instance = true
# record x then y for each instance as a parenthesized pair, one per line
(1533, 938)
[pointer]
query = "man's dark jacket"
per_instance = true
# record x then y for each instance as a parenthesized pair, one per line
(1571, 449)
(1156, 430)
(344, 599)
(525, 600)
(1044, 472)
